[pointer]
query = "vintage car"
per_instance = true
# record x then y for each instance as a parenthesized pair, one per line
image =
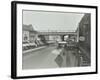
(27, 46)
(71, 45)
(61, 44)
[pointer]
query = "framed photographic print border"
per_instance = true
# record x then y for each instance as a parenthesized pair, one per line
(14, 38)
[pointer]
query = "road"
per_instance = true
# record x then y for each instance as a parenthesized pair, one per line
(48, 58)
(43, 58)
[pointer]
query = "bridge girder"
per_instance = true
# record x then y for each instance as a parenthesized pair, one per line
(57, 33)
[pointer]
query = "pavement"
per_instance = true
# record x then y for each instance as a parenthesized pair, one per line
(34, 49)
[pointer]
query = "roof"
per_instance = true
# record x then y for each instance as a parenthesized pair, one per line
(28, 28)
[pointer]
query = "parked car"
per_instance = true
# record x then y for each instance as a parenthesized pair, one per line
(28, 45)
(71, 45)
(61, 44)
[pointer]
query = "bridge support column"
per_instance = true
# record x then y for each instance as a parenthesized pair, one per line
(62, 37)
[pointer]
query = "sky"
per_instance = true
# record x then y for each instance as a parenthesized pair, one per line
(52, 21)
